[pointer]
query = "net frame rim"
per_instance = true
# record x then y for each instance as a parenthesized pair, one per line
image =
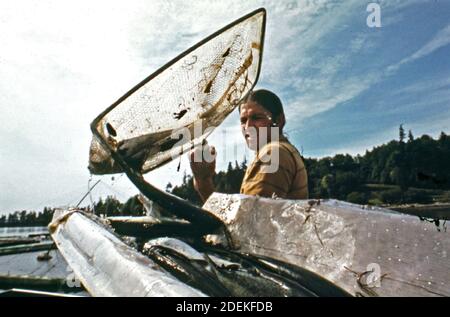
(95, 123)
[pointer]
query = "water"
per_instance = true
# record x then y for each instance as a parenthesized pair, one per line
(22, 231)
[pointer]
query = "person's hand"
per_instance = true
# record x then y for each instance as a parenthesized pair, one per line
(203, 162)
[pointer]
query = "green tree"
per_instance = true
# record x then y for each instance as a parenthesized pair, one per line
(132, 207)
(401, 133)
(3, 220)
(357, 198)
(410, 136)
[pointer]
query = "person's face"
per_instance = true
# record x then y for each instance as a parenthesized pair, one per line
(255, 120)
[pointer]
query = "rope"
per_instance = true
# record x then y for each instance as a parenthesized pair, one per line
(89, 191)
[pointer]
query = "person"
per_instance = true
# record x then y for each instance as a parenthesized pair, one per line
(277, 170)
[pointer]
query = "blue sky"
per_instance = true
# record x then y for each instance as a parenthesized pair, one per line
(395, 74)
(346, 87)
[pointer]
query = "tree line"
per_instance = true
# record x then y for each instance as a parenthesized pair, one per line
(108, 207)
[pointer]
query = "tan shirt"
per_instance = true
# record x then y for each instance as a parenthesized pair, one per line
(278, 169)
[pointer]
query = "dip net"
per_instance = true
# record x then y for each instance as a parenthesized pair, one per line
(178, 106)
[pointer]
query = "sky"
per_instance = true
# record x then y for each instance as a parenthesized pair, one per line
(346, 87)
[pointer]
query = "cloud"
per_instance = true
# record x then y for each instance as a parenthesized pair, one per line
(424, 86)
(441, 39)
(398, 5)
(293, 40)
(326, 97)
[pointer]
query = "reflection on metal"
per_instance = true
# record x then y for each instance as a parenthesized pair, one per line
(219, 272)
(366, 252)
(105, 265)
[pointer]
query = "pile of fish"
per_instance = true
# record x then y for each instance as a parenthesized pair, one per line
(110, 265)
(266, 247)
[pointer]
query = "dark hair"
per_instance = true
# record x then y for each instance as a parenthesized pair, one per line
(267, 99)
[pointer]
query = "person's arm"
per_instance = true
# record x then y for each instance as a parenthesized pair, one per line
(203, 165)
(204, 187)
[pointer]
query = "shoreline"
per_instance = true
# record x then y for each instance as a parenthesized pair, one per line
(435, 210)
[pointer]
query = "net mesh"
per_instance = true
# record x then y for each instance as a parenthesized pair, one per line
(197, 90)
